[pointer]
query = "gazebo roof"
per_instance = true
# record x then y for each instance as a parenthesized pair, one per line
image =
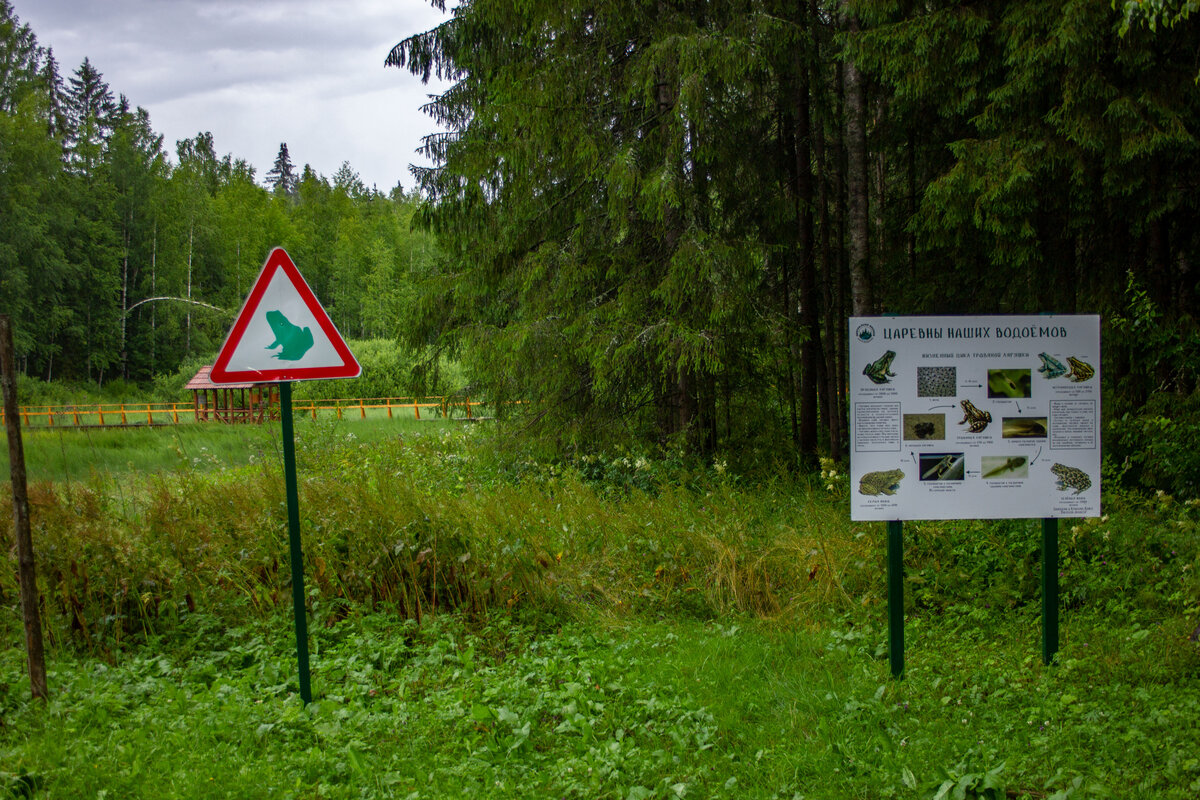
(201, 381)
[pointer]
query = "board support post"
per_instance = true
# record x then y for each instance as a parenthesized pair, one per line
(1049, 589)
(293, 512)
(895, 582)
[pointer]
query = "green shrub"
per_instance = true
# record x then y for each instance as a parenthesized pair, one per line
(1158, 446)
(389, 369)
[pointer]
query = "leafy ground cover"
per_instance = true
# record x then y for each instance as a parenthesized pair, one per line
(485, 623)
(624, 708)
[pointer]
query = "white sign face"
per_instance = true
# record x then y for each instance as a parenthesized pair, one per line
(282, 333)
(974, 417)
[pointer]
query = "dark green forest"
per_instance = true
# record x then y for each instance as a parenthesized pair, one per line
(649, 219)
(657, 215)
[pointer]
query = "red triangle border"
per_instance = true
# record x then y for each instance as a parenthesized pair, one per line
(279, 260)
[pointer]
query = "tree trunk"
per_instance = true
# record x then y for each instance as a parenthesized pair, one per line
(683, 400)
(125, 305)
(26, 569)
(840, 261)
(831, 375)
(154, 291)
(810, 335)
(191, 231)
(861, 301)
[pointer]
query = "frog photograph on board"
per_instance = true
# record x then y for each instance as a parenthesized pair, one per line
(942, 466)
(924, 427)
(973, 418)
(883, 482)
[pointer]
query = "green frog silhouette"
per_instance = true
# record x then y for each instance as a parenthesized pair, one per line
(295, 341)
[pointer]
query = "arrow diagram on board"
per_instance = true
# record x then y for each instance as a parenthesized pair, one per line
(1033, 460)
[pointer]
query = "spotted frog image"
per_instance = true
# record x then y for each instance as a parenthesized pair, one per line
(1051, 367)
(293, 340)
(885, 482)
(973, 418)
(1071, 478)
(880, 370)
(1080, 370)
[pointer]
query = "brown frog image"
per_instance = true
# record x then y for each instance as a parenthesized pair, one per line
(978, 420)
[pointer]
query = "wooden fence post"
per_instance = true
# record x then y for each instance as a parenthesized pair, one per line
(27, 570)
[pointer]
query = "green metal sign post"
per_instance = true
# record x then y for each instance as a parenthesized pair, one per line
(895, 582)
(895, 585)
(293, 512)
(282, 334)
(1049, 589)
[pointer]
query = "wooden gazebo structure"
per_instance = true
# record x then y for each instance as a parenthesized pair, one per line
(232, 402)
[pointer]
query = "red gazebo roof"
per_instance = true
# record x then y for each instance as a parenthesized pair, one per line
(201, 381)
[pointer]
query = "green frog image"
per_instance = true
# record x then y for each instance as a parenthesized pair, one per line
(885, 482)
(1051, 367)
(1080, 370)
(978, 419)
(294, 340)
(1071, 478)
(880, 370)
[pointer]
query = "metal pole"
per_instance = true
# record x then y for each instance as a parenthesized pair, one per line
(1049, 589)
(293, 511)
(26, 566)
(895, 580)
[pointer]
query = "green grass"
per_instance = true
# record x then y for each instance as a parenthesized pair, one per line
(483, 623)
(610, 708)
(78, 454)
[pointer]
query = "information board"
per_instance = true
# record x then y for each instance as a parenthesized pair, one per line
(974, 417)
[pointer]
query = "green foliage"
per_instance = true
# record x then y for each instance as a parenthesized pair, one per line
(1157, 447)
(1153, 428)
(485, 622)
(640, 707)
(605, 264)
(962, 783)
(1153, 13)
(390, 369)
(33, 391)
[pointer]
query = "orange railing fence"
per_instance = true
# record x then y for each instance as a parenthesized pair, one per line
(139, 414)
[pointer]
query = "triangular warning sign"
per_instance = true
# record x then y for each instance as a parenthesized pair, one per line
(282, 333)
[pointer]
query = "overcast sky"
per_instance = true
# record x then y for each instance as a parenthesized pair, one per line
(258, 72)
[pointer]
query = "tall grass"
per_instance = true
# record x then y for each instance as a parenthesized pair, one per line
(425, 520)
(78, 454)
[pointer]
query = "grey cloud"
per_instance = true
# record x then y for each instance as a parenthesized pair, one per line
(256, 72)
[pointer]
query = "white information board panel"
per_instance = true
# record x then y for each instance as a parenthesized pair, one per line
(974, 417)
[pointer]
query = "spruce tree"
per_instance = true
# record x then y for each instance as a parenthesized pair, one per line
(91, 115)
(281, 178)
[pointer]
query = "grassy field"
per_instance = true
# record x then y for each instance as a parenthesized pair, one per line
(483, 623)
(79, 454)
